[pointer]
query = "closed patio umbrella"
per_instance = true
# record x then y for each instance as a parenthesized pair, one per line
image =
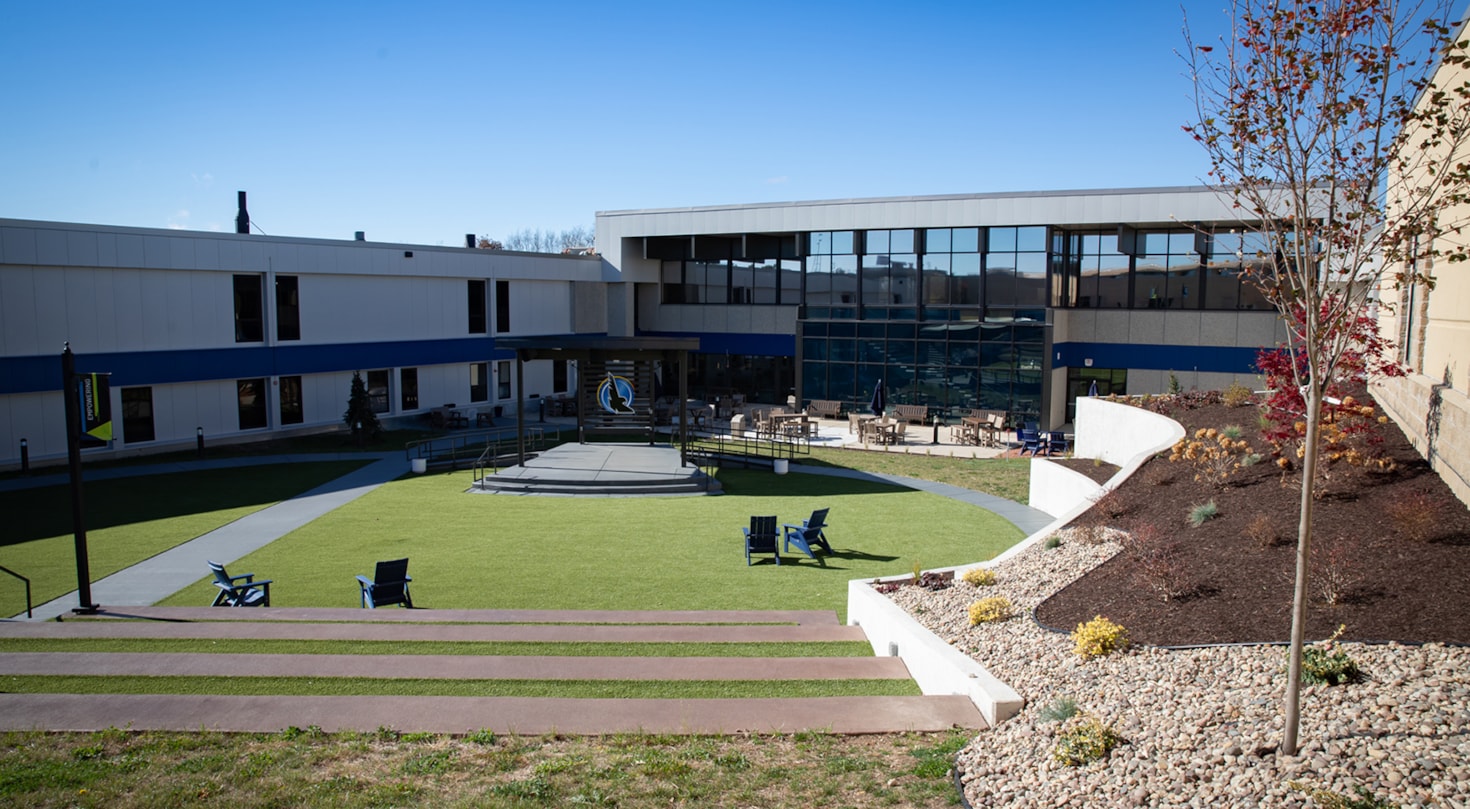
(879, 403)
(1092, 389)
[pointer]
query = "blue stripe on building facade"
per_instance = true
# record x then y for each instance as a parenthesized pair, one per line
(131, 368)
(1211, 359)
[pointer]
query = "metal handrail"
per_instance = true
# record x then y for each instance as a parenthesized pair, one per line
(28, 588)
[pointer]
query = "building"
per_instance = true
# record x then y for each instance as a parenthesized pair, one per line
(1019, 302)
(1430, 325)
(243, 336)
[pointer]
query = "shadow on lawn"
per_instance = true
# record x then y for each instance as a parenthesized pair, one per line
(755, 483)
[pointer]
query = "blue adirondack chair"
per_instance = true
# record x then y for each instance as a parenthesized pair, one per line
(1057, 443)
(760, 537)
(239, 591)
(1031, 442)
(389, 585)
(808, 535)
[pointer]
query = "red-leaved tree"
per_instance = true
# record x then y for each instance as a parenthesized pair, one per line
(1322, 126)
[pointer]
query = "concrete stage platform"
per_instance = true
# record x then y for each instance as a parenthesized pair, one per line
(602, 470)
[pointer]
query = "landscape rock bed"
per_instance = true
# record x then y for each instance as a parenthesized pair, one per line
(1201, 725)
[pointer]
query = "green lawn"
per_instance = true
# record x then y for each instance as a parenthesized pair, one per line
(496, 551)
(131, 519)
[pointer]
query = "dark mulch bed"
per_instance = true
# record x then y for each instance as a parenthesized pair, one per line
(1099, 471)
(1397, 586)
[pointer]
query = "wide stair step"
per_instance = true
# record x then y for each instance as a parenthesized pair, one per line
(526, 715)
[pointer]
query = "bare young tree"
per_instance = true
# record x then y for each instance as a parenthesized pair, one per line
(1323, 127)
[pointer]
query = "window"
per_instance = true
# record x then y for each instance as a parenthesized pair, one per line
(479, 381)
(831, 272)
(288, 308)
(251, 395)
(502, 384)
(502, 307)
(408, 387)
(137, 414)
(249, 310)
(558, 376)
(1166, 272)
(377, 388)
(291, 409)
(477, 306)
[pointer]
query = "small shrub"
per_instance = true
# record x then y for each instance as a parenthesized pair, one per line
(1058, 710)
(1157, 565)
(988, 610)
(1098, 638)
(934, 580)
(918, 570)
(1051, 542)
(1335, 570)
(1251, 459)
(1202, 513)
(1415, 516)
(1174, 386)
(1086, 741)
(979, 577)
(1237, 395)
(483, 737)
(1215, 454)
(1232, 432)
(1262, 530)
(1327, 799)
(1326, 663)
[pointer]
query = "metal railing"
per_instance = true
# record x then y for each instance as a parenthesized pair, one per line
(466, 447)
(28, 588)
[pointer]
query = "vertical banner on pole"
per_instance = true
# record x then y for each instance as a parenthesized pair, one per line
(88, 417)
(95, 398)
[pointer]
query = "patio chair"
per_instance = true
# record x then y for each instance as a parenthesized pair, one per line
(389, 585)
(808, 535)
(1057, 443)
(239, 591)
(1030, 439)
(760, 537)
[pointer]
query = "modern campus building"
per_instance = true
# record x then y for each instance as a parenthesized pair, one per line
(1019, 302)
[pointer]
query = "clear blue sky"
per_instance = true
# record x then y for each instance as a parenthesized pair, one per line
(421, 122)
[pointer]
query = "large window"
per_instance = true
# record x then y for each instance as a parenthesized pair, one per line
(502, 382)
(558, 376)
(502, 307)
(476, 292)
(1015, 267)
(249, 309)
(292, 411)
(1234, 259)
(1166, 271)
(251, 397)
(408, 388)
(377, 389)
(951, 273)
(288, 308)
(890, 274)
(479, 381)
(137, 415)
(832, 272)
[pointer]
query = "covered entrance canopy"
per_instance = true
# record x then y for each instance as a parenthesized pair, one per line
(615, 380)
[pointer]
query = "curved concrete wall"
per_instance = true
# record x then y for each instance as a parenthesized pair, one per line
(1107, 430)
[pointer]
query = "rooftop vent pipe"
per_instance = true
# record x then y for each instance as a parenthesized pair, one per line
(470, 240)
(242, 219)
(360, 236)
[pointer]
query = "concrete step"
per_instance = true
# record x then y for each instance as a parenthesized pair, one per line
(512, 616)
(404, 632)
(452, 667)
(460, 715)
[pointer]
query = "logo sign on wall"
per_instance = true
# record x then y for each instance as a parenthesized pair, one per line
(96, 409)
(615, 394)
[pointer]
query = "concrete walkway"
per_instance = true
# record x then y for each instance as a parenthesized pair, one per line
(160, 576)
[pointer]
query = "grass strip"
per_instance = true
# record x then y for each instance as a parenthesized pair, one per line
(494, 648)
(365, 686)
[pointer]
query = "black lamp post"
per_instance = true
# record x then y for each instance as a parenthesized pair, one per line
(199, 441)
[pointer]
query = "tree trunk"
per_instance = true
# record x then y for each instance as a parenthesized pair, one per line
(1303, 553)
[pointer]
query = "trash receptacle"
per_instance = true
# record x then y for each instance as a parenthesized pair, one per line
(419, 465)
(781, 466)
